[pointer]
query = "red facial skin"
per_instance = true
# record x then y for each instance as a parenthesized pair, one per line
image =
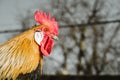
(46, 45)
(49, 27)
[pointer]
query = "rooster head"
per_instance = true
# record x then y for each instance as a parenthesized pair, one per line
(46, 32)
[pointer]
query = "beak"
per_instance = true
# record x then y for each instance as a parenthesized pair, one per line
(55, 37)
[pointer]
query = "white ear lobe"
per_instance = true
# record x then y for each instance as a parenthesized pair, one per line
(39, 37)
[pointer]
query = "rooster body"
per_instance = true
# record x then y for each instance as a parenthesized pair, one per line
(22, 54)
(19, 55)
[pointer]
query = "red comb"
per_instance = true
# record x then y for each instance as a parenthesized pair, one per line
(43, 18)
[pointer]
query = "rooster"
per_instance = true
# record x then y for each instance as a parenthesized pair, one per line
(23, 53)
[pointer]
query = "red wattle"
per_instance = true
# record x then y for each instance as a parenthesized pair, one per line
(46, 45)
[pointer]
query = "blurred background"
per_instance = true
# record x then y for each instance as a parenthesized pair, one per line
(89, 33)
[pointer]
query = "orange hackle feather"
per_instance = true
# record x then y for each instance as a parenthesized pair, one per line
(19, 55)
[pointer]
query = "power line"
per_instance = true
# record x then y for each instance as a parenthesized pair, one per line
(90, 24)
(68, 26)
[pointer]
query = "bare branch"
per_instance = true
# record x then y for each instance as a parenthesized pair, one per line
(106, 50)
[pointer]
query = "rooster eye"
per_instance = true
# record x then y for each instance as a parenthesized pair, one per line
(46, 29)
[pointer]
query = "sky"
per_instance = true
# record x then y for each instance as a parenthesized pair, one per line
(12, 11)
